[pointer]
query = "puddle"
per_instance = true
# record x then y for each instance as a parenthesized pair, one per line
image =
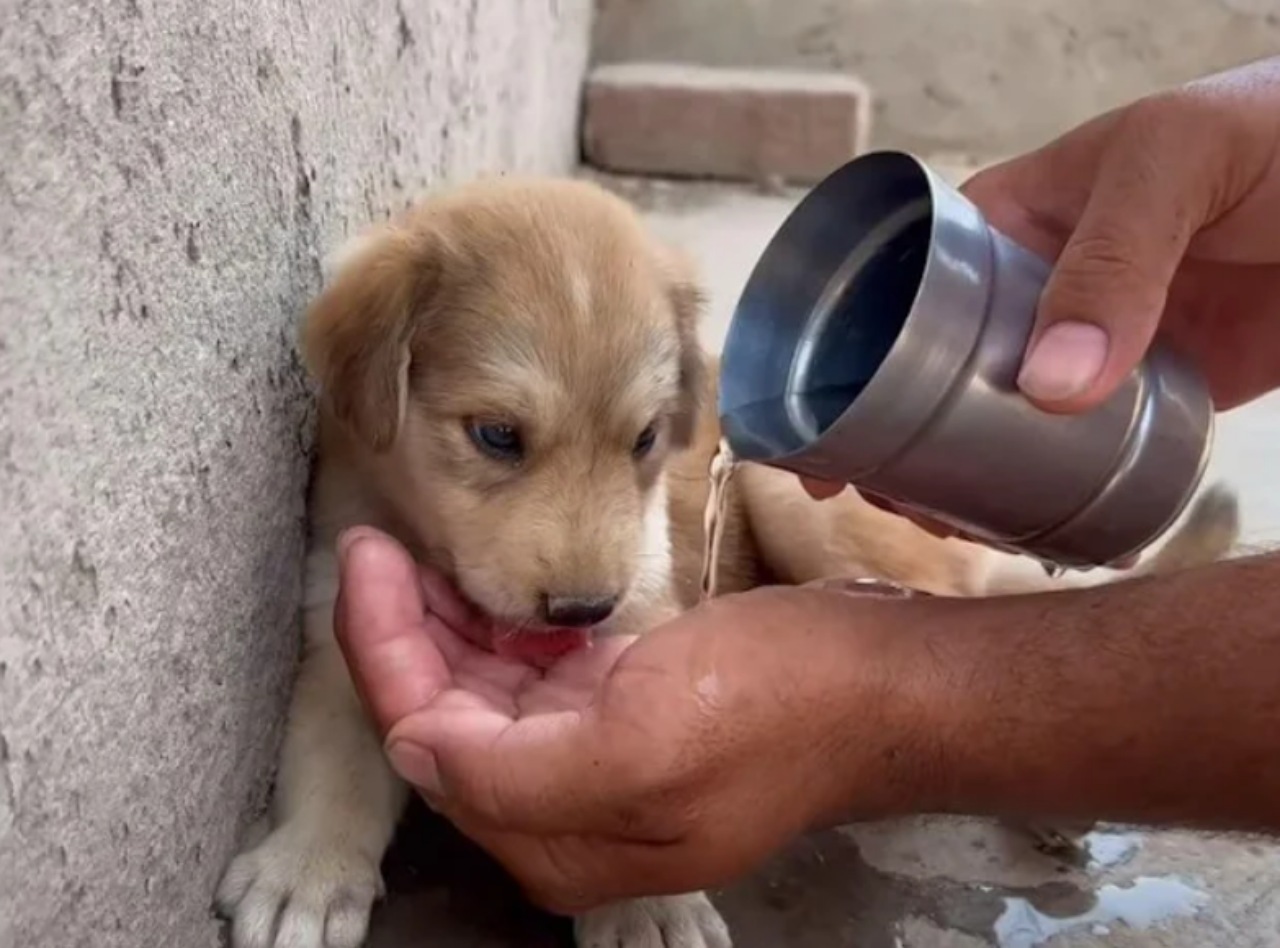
(1145, 904)
(1108, 850)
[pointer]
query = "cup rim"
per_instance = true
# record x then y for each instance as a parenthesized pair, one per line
(950, 296)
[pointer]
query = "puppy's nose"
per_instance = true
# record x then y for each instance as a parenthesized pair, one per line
(578, 612)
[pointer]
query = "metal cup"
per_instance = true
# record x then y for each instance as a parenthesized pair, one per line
(878, 343)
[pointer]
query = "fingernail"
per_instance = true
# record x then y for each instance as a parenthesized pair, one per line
(417, 765)
(1065, 361)
(348, 538)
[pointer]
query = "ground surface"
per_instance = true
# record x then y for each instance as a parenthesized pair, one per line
(924, 883)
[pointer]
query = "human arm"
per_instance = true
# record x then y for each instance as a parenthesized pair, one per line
(686, 758)
(1154, 700)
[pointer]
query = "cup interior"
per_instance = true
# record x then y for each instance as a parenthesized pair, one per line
(850, 334)
(825, 304)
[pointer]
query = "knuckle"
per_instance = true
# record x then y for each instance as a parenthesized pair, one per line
(1210, 131)
(1185, 117)
(1192, 106)
(1102, 269)
(1099, 254)
(1155, 111)
(1091, 274)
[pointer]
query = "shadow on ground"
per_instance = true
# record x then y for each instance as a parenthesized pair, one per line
(445, 893)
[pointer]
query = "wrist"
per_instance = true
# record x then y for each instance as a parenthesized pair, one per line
(876, 689)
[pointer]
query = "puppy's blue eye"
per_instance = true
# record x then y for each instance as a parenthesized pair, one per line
(644, 443)
(501, 442)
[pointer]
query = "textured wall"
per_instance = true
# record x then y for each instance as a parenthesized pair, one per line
(988, 77)
(169, 174)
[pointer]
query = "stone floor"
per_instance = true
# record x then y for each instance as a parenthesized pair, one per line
(922, 883)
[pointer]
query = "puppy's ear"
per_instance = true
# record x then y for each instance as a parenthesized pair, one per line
(356, 334)
(687, 301)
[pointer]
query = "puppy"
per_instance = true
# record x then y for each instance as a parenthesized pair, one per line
(511, 385)
(506, 371)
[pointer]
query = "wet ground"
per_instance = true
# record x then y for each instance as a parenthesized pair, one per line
(923, 883)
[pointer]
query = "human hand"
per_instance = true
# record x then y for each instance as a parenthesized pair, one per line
(1161, 217)
(632, 768)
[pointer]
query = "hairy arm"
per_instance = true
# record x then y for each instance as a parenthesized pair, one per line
(1152, 701)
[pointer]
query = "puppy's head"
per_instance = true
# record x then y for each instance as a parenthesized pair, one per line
(511, 364)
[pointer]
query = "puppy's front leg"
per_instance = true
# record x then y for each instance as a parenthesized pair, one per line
(669, 921)
(313, 881)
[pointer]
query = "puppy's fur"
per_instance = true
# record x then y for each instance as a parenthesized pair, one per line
(543, 306)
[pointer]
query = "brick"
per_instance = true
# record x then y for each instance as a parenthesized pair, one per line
(734, 124)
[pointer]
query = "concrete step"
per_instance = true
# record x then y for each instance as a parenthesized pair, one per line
(730, 124)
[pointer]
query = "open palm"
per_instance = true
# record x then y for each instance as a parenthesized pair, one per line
(495, 687)
(421, 623)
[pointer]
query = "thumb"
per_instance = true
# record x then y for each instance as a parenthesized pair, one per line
(1104, 300)
(381, 627)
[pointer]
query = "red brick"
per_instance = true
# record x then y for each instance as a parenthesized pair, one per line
(693, 121)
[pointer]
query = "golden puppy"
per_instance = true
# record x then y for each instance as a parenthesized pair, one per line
(512, 386)
(506, 371)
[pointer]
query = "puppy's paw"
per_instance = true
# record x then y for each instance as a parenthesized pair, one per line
(676, 921)
(300, 888)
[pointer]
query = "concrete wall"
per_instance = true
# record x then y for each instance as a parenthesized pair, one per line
(169, 174)
(982, 77)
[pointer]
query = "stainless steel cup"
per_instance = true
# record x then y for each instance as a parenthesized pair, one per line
(878, 342)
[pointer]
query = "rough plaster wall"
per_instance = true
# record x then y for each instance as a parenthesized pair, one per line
(985, 77)
(169, 174)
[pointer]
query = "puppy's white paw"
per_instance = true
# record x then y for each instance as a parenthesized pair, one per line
(300, 888)
(675, 921)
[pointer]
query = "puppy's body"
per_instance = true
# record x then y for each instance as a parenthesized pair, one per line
(512, 387)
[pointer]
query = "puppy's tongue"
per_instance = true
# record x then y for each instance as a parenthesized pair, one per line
(539, 647)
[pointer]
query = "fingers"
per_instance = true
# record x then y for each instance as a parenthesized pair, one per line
(569, 875)
(1105, 298)
(554, 772)
(1037, 198)
(382, 628)
(562, 875)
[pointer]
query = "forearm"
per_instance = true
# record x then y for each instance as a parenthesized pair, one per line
(1154, 700)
